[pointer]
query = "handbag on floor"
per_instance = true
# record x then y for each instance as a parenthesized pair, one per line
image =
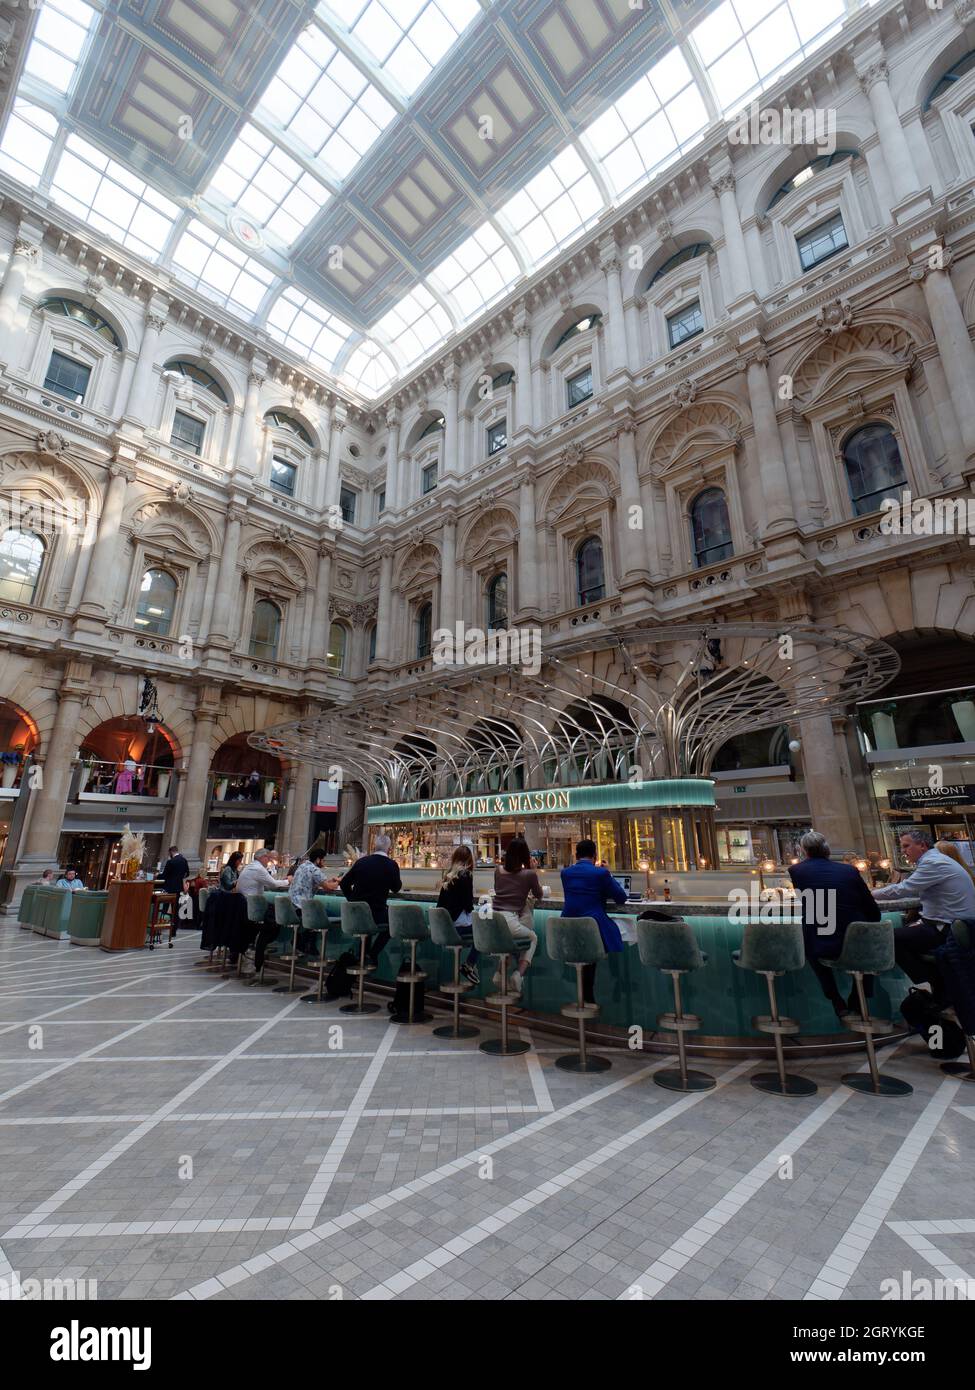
(922, 1013)
(338, 981)
(400, 1003)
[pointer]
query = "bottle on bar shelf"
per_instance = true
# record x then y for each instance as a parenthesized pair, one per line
(666, 890)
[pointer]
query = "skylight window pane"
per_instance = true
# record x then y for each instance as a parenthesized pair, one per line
(408, 38)
(60, 33)
(746, 45)
(368, 370)
(565, 196)
(220, 270)
(307, 327)
(268, 186)
(415, 325)
(112, 198)
(479, 271)
(27, 142)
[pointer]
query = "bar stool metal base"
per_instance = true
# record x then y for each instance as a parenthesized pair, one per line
(573, 1062)
(790, 1085)
(959, 1069)
(292, 988)
(462, 1031)
(673, 1081)
(405, 1018)
(495, 1047)
(359, 1009)
(885, 1085)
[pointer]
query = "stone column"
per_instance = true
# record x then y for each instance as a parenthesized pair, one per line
(523, 376)
(226, 595)
(724, 191)
(103, 568)
(301, 782)
(193, 812)
(247, 444)
(333, 473)
(616, 336)
(632, 543)
(779, 510)
(392, 460)
(321, 620)
(528, 585)
(450, 452)
(875, 80)
(47, 801)
(23, 254)
(448, 571)
(951, 334)
(139, 401)
(824, 777)
(384, 610)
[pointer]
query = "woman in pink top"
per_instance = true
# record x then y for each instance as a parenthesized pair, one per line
(515, 882)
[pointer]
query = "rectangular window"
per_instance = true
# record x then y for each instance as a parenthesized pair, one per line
(497, 437)
(380, 501)
(428, 478)
(686, 323)
(187, 433)
(283, 476)
(821, 242)
(347, 501)
(579, 387)
(67, 378)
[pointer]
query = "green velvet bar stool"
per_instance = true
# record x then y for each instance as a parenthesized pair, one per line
(285, 916)
(23, 911)
(314, 918)
(771, 949)
(256, 908)
(357, 920)
(492, 937)
(868, 949)
(668, 944)
(960, 931)
(408, 923)
(576, 941)
(444, 934)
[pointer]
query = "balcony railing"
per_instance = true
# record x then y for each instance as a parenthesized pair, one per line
(113, 780)
(244, 791)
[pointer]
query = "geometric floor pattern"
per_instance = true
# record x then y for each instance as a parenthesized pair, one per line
(172, 1135)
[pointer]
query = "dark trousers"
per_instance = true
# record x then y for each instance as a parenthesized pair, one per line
(827, 981)
(260, 937)
(377, 944)
(589, 983)
(911, 943)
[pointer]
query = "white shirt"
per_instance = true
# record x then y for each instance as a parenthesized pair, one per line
(254, 878)
(946, 889)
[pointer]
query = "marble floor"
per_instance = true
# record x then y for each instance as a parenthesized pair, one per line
(169, 1134)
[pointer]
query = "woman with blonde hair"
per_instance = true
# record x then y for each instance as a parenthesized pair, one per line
(950, 847)
(457, 896)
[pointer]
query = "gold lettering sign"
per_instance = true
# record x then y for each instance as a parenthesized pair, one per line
(475, 807)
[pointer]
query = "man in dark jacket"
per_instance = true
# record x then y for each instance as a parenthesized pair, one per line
(834, 895)
(175, 873)
(371, 880)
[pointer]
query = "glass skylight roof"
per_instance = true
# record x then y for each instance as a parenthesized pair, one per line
(369, 369)
(323, 102)
(746, 44)
(407, 38)
(478, 272)
(268, 186)
(106, 195)
(62, 27)
(27, 142)
(415, 326)
(554, 206)
(648, 126)
(307, 328)
(220, 270)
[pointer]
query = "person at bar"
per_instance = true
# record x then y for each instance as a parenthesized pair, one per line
(515, 881)
(946, 891)
(840, 889)
(586, 889)
(457, 898)
(370, 880)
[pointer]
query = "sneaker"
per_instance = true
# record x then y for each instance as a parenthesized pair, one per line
(496, 981)
(515, 983)
(470, 974)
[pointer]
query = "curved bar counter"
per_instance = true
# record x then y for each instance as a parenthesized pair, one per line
(725, 997)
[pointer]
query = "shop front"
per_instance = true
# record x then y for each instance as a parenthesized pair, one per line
(667, 824)
(938, 797)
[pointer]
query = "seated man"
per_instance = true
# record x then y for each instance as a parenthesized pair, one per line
(834, 895)
(370, 880)
(586, 889)
(255, 877)
(946, 891)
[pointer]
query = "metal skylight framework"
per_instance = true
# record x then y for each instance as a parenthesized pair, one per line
(347, 76)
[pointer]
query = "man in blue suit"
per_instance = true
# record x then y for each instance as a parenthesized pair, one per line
(834, 895)
(586, 889)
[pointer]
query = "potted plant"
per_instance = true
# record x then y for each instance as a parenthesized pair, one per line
(220, 787)
(86, 766)
(270, 791)
(162, 783)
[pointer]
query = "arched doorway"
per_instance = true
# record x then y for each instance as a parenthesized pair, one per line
(18, 739)
(246, 801)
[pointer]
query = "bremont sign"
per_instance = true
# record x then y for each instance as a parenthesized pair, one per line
(506, 804)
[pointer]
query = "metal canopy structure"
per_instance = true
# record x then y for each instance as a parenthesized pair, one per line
(681, 693)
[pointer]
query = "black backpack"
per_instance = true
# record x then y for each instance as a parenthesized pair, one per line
(922, 1013)
(401, 996)
(338, 982)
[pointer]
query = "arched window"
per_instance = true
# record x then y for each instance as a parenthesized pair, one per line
(590, 576)
(710, 527)
(434, 427)
(21, 557)
(948, 79)
(157, 602)
(810, 170)
(580, 326)
(198, 374)
(265, 630)
(287, 424)
(699, 248)
(335, 658)
(497, 602)
(424, 629)
(874, 468)
(372, 644)
(71, 309)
